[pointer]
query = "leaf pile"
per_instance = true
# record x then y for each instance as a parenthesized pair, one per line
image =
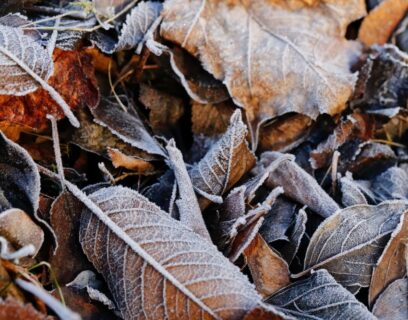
(203, 159)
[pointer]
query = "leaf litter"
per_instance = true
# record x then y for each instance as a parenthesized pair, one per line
(212, 159)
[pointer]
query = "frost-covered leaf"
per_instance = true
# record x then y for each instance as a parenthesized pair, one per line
(137, 24)
(269, 271)
(297, 183)
(224, 164)
(393, 302)
(19, 178)
(26, 66)
(351, 193)
(392, 264)
(391, 184)
(319, 297)
(271, 55)
(127, 126)
(349, 243)
(12, 309)
(134, 244)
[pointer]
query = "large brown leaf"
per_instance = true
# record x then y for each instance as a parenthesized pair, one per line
(272, 55)
(349, 243)
(154, 266)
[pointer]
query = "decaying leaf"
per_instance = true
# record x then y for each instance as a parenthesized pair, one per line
(10, 309)
(224, 164)
(351, 193)
(392, 264)
(349, 243)
(393, 302)
(19, 178)
(379, 24)
(319, 297)
(68, 259)
(20, 230)
(271, 55)
(121, 160)
(73, 78)
(127, 126)
(297, 183)
(269, 271)
(137, 24)
(128, 239)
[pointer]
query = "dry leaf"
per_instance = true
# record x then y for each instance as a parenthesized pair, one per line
(349, 243)
(392, 264)
(10, 309)
(297, 183)
(122, 160)
(319, 297)
(271, 55)
(20, 230)
(74, 80)
(391, 184)
(351, 193)
(134, 244)
(393, 302)
(68, 259)
(269, 271)
(379, 24)
(224, 164)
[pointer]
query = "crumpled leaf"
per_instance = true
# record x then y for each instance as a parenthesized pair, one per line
(297, 183)
(128, 239)
(269, 271)
(127, 126)
(392, 264)
(121, 160)
(224, 164)
(319, 297)
(11, 309)
(351, 193)
(393, 302)
(379, 24)
(73, 78)
(271, 55)
(137, 24)
(391, 184)
(20, 230)
(349, 243)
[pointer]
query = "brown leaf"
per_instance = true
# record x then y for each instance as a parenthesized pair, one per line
(20, 230)
(269, 271)
(10, 309)
(392, 264)
(379, 24)
(271, 55)
(297, 183)
(134, 244)
(165, 109)
(224, 164)
(74, 80)
(349, 243)
(120, 159)
(68, 259)
(393, 302)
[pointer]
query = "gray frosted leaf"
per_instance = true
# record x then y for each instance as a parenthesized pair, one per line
(393, 302)
(154, 266)
(349, 243)
(224, 164)
(127, 126)
(19, 178)
(391, 184)
(351, 193)
(137, 24)
(319, 297)
(17, 50)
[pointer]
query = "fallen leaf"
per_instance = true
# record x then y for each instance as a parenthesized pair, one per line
(379, 24)
(10, 309)
(319, 297)
(351, 193)
(391, 184)
(121, 160)
(140, 234)
(349, 243)
(269, 271)
(20, 230)
(224, 164)
(393, 302)
(271, 55)
(68, 259)
(392, 264)
(73, 78)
